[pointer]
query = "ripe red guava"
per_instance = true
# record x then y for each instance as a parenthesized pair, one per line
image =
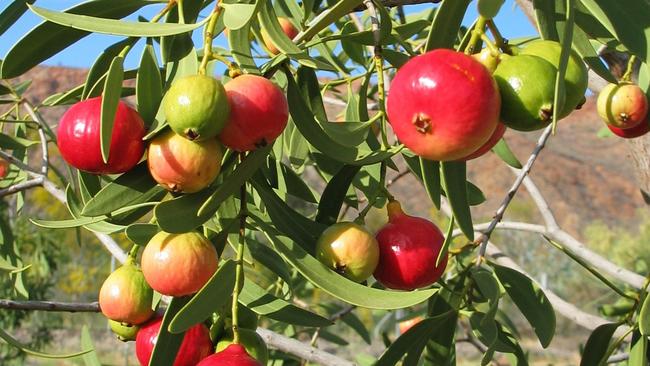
(258, 113)
(408, 250)
(622, 106)
(4, 168)
(79, 138)
(178, 264)
(195, 347)
(494, 139)
(630, 133)
(233, 355)
(287, 27)
(443, 105)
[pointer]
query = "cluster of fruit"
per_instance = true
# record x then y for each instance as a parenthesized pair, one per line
(448, 106)
(624, 108)
(402, 256)
(248, 112)
(172, 265)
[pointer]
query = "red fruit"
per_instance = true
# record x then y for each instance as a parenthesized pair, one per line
(195, 347)
(443, 105)
(125, 296)
(408, 250)
(178, 264)
(233, 355)
(258, 113)
(288, 29)
(4, 168)
(78, 137)
(630, 133)
(622, 106)
(494, 139)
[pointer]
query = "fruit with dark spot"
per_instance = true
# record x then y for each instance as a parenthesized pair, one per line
(408, 250)
(196, 107)
(178, 264)
(622, 106)
(195, 347)
(527, 87)
(575, 77)
(233, 355)
(443, 105)
(125, 295)
(259, 113)
(181, 165)
(349, 249)
(79, 138)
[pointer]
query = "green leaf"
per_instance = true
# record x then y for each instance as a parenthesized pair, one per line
(453, 179)
(326, 18)
(110, 100)
(125, 190)
(447, 21)
(13, 342)
(213, 296)
(290, 182)
(236, 16)
(101, 66)
(269, 258)
(531, 301)
(310, 90)
(197, 208)
(440, 350)
(48, 39)
(430, 171)
(334, 194)
(596, 348)
(149, 85)
(313, 132)
(12, 13)
(546, 16)
(168, 344)
(416, 337)
(335, 284)
(261, 302)
(626, 20)
(353, 321)
(113, 26)
(240, 48)
(90, 358)
(64, 224)
(141, 233)
(448, 240)
(565, 42)
(638, 350)
(644, 317)
(504, 153)
(12, 142)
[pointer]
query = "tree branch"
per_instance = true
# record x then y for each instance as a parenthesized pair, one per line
(394, 3)
(297, 348)
(73, 307)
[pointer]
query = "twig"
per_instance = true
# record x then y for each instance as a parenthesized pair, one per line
(394, 3)
(73, 307)
(299, 349)
(513, 190)
(15, 188)
(41, 133)
(618, 358)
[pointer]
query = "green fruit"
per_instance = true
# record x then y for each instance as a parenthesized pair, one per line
(488, 60)
(488, 9)
(527, 86)
(124, 332)
(349, 249)
(575, 78)
(252, 341)
(196, 107)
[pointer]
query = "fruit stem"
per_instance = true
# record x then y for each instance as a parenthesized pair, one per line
(627, 77)
(494, 50)
(133, 254)
(479, 30)
(208, 36)
(239, 276)
(499, 41)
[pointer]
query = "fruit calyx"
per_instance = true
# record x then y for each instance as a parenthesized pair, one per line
(422, 123)
(394, 209)
(546, 113)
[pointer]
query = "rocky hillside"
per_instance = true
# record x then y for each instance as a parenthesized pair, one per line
(584, 177)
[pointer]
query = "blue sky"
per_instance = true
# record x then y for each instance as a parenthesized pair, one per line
(511, 21)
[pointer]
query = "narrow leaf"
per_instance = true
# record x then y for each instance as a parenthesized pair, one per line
(454, 180)
(597, 344)
(110, 100)
(168, 344)
(148, 87)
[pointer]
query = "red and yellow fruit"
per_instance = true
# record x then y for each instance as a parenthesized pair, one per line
(630, 133)
(258, 115)
(408, 249)
(196, 107)
(233, 355)
(622, 106)
(494, 139)
(125, 295)
(195, 347)
(181, 165)
(79, 138)
(349, 249)
(4, 168)
(178, 264)
(443, 105)
(287, 27)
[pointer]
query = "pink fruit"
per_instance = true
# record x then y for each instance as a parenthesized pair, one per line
(196, 344)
